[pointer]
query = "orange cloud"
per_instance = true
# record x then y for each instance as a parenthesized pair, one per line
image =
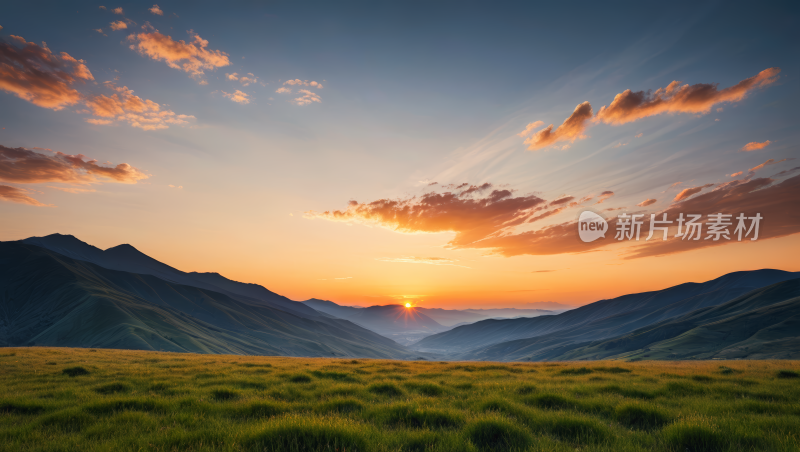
(765, 164)
(754, 145)
(306, 98)
(283, 90)
(125, 106)
(35, 74)
(297, 81)
(24, 166)
(117, 10)
(14, 194)
(776, 203)
(646, 202)
(156, 10)
(473, 218)
(192, 57)
(118, 25)
(737, 174)
(688, 192)
(237, 96)
(530, 127)
(603, 196)
(630, 106)
(570, 130)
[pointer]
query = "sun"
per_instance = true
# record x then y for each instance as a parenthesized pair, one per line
(408, 305)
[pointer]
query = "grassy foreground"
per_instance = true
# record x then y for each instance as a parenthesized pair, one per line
(54, 399)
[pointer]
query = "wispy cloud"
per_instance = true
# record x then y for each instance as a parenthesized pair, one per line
(18, 195)
(422, 260)
(297, 81)
(689, 192)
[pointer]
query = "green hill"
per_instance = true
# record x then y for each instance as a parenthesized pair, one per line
(50, 299)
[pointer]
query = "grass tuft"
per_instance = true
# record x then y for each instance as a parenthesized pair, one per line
(573, 371)
(498, 435)
(386, 389)
(307, 435)
(640, 417)
(222, 395)
(694, 436)
(787, 374)
(112, 388)
(75, 371)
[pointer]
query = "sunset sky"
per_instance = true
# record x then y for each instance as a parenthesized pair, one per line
(425, 152)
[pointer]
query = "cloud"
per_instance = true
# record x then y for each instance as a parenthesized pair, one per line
(156, 10)
(99, 30)
(765, 164)
(603, 196)
(245, 80)
(99, 122)
(776, 203)
(638, 136)
(102, 7)
(306, 98)
(646, 202)
(117, 10)
(570, 130)
(34, 73)
(73, 189)
(283, 90)
(193, 57)
(20, 165)
(530, 127)
(123, 105)
(297, 81)
(472, 218)
(630, 106)
(754, 145)
(688, 192)
(787, 172)
(422, 260)
(234, 76)
(737, 174)
(237, 96)
(19, 195)
(118, 25)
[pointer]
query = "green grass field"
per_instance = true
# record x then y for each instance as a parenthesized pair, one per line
(54, 399)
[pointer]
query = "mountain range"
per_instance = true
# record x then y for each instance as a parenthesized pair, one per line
(610, 324)
(59, 291)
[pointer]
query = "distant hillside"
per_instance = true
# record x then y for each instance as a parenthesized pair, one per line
(548, 337)
(47, 298)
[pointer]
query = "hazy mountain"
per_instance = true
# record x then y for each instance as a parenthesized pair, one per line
(546, 337)
(402, 324)
(129, 259)
(47, 298)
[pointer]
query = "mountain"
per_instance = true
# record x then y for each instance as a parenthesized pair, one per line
(49, 299)
(402, 324)
(762, 324)
(129, 259)
(547, 337)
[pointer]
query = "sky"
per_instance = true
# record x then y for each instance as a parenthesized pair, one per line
(436, 153)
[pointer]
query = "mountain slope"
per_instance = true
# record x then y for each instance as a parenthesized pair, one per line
(129, 259)
(762, 324)
(50, 299)
(603, 319)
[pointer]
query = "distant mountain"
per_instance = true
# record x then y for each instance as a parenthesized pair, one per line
(548, 337)
(402, 324)
(129, 259)
(47, 298)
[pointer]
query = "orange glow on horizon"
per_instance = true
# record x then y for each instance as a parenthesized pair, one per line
(408, 305)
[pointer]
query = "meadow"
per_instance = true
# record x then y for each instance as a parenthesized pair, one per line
(62, 399)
